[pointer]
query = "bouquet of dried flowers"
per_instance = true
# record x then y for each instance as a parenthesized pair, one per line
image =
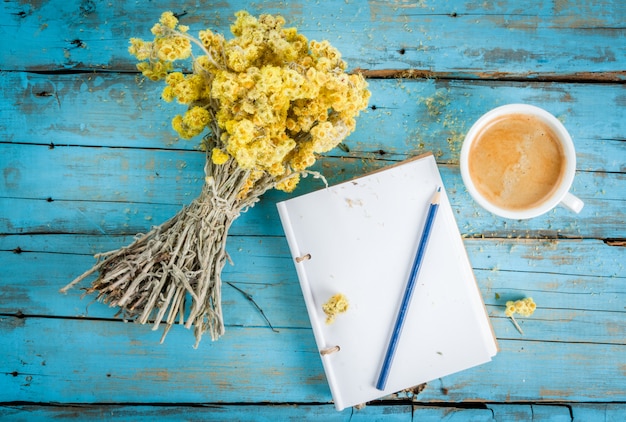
(267, 102)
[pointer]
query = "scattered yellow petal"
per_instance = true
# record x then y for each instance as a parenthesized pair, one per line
(336, 305)
(525, 307)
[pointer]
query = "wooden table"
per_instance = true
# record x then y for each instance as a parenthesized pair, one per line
(88, 160)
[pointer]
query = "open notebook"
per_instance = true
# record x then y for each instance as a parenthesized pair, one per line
(359, 238)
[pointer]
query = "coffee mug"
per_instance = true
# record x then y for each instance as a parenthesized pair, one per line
(518, 161)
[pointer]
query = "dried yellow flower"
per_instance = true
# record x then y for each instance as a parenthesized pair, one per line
(140, 49)
(525, 307)
(289, 184)
(218, 156)
(185, 132)
(169, 20)
(196, 118)
(277, 99)
(336, 305)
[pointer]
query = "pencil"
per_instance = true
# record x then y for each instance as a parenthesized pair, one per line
(417, 263)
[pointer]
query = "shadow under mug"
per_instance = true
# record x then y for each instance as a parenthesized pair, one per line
(559, 196)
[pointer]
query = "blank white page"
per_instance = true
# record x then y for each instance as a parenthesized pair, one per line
(362, 236)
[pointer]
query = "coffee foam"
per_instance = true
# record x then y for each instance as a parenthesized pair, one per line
(516, 162)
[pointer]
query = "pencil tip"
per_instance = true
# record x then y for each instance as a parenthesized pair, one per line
(435, 199)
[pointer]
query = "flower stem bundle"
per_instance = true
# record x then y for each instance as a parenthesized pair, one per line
(267, 103)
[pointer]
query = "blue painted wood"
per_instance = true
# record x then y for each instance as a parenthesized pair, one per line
(88, 159)
(421, 413)
(410, 116)
(577, 302)
(576, 307)
(457, 37)
(271, 367)
(130, 208)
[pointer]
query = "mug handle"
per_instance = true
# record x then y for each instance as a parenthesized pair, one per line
(573, 203)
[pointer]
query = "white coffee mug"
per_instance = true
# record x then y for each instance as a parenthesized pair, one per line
(559, 195)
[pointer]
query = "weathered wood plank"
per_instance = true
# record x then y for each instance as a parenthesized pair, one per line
(407, 117)
(262, 269)
(566, 412)
(86, 361)
(575, 257)
(175, 177)
(170, 177)
(606, 412)
(455, 37)
(96, 204)
(579, 286)
(209, 412)
(390, 412)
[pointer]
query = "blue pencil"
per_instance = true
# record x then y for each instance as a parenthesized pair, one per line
(421, 249)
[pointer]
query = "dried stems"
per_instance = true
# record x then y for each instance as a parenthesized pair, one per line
(153, 278)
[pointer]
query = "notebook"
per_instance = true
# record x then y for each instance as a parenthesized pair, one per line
(359, 239)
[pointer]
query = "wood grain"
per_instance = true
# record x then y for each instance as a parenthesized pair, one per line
(89, 159)
(408, 412)
(406, 117)
(95, 359)
(574, 282)
(458, 37)
(111, 205)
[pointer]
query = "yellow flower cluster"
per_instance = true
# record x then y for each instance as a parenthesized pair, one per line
(524, 307)
(218, 156)
(170, 44)
(271, 99)
(336, 305)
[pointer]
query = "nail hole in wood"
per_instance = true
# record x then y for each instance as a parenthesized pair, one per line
(78, 43)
